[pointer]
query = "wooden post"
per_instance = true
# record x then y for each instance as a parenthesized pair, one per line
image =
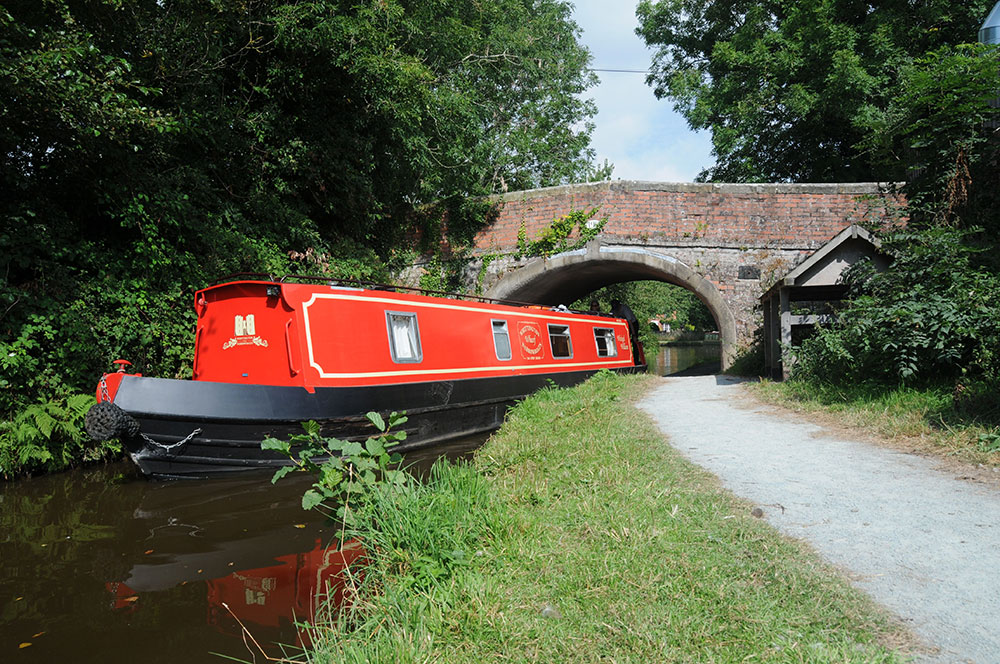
(786, 331)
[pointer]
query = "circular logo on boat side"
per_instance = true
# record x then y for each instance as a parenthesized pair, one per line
(530, 335)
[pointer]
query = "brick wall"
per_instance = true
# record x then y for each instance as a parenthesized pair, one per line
(800, 216)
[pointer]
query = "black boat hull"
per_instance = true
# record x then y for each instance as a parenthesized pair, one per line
(182, 434)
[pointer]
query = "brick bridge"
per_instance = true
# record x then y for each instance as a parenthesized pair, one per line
(725, 242)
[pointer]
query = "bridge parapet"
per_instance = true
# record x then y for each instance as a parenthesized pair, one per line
(803, 216)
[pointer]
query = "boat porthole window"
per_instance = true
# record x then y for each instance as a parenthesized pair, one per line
(559, 341)
(605, 338)
(404, 336)
(501, 339)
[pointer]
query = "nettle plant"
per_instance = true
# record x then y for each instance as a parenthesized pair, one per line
(346, 471)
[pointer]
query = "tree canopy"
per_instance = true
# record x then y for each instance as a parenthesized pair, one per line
(153, 145)
(789, 88)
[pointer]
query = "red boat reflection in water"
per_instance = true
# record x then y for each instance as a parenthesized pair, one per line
(274, 603)
(280, 596)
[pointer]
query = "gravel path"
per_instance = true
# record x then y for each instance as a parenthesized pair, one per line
(917, 539)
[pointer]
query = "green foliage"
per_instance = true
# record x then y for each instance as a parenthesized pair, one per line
(568, 232)
(599, 172)
(788, 89)
(558, 236)
(49, 436)
(675, 305)
(988, 442)
(347, 472)
(445, 273)
(941, 127)
(930, 318)
(485, 260)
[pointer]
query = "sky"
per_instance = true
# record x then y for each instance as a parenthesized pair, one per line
(641, 135)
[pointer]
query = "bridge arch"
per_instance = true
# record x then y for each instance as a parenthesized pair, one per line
(569, 276)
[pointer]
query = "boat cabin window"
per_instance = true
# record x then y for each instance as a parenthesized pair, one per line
(559, 341)
(501, 339)
(605, 338)
(404, 336)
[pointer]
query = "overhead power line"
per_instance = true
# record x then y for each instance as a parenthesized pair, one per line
(624, 71)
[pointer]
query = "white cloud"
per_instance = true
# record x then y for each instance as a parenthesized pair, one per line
(641, 135)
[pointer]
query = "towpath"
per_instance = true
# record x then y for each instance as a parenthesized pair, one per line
(918, 539)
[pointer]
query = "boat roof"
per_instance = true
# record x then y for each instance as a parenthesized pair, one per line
(318, 280)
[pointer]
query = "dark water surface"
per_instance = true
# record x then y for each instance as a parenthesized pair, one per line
(675, 359)
(103, 565)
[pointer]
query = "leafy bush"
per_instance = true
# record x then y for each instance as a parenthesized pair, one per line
(558, 236)
(346, 472)
(49, 436)
(930, 318)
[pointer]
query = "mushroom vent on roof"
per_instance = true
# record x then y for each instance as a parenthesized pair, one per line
(990, 32)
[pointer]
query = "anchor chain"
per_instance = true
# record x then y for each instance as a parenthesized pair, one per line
(106, 398)
(167, 448)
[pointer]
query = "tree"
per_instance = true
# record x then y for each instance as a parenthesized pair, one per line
(931, 318)
(941, 131)
(788, 87)
(654, 300)
(151, 146)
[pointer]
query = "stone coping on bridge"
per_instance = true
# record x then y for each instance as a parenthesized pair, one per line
(850, 188)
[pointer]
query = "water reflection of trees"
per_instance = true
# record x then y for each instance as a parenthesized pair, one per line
(99, 552)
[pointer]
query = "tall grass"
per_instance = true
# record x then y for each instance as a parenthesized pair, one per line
(579, 535)
(924, 418)
(428, 545)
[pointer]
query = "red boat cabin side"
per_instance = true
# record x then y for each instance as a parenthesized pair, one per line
(324, 336)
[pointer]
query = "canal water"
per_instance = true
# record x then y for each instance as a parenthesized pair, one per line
(104, 565)
(699, 358)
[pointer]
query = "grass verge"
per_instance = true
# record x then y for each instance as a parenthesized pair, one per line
(579, 535)
(919, 419)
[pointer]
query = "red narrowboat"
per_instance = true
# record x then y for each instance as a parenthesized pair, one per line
(270, 355)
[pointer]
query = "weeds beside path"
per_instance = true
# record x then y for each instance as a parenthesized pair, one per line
(579, 535)
(914, 419)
